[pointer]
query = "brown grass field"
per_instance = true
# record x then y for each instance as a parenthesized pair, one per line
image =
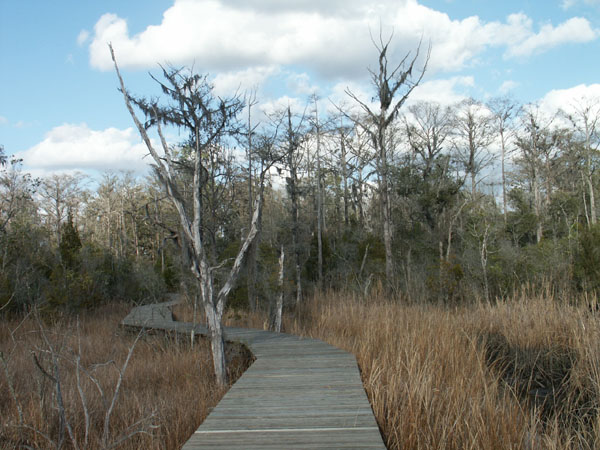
(166, 391)
(520, 374)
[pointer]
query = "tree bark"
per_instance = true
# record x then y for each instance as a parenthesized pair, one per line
(503, 156)
(292, 185)
(344, 176)
(192, 226)
(279, 306)
(319, 204)
(390, 83)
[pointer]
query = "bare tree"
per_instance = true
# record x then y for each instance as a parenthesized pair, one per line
(473, 132)
(208, 119)
(393, 85)
(504, 111)
(278, 309)
(292, 141)
(537, 144)
(317, 129)
(358, 158)
(16, 193)
(586, 121)
(60, 194)
(252, 269)
(428, 126)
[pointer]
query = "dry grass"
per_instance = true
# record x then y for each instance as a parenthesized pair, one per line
(520, 374)
(167, 388)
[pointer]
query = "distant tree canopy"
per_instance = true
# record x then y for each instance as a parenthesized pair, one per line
(477, 198)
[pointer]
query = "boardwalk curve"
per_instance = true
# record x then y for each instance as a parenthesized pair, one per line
(299, 393)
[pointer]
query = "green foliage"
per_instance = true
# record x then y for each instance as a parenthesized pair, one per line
(70, 243)
(586, 266)
(444, 281)
(311, 267)
(267, 275)
(521, 222)
(168, 271)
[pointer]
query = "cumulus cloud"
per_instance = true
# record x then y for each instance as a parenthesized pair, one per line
(76, 146)
(330, 38)
(296, 105)
(227, 83)
(568, 100)
(574, 30)
(444, 92)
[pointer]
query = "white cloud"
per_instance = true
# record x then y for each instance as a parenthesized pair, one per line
(331, 38)
(228, 83)
(3, 120)
(296, 105)
(82, 37)
(444, 92)
(76, 146)
(574, 30)
(571, 98)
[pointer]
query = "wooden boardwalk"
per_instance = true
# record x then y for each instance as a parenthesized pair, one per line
(299, 393)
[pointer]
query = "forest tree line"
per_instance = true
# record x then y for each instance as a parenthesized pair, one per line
(480, 198)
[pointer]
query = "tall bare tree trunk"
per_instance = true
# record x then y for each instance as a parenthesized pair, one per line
(483, 253)
(252, 269)
(292, 185)
(344, 175)
(389, 83)
(319, 203)
(279, 306)
(387, 230)
(384, 192)
(503, 156)
(537, 199)
(217, 343)
(218, 113)
(589, 173)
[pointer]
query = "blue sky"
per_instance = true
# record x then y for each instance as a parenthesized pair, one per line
(60, 109)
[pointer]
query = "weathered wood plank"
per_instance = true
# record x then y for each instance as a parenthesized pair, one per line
(299, 393)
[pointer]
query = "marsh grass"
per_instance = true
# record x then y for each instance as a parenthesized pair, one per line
(523, 373)
(167, 387)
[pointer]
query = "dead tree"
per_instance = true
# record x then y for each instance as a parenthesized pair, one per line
(208, 119)
(504, 111)
(294, 135)
(586, 122)
(393, 85)
(473, 136)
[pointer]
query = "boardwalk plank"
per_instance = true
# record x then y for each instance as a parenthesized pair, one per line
(300, 393)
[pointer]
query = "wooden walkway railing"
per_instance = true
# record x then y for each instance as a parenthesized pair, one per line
(299, 393)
